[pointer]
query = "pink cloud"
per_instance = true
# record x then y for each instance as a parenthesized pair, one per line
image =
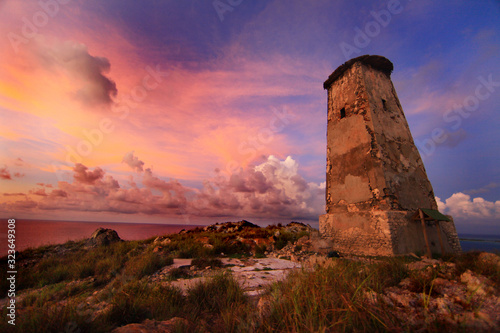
(87, 72)
(271, 189)
(39, 192)
(5, 174)
(44, 185)
(133, 161)
(19, 162)
(87, 177)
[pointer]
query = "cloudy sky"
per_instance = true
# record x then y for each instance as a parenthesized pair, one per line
(201, 111)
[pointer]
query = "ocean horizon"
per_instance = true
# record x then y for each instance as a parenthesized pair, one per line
(35, 233)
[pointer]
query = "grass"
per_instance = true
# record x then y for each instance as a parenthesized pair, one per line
(202, 263)
(49, 319)
(137, 301)
(216, 295)
(220, 303)
(103, 263)
(185, 246)
(330, 298)
(260, 251)
(147, 264)
(213, 302)
(178, 273)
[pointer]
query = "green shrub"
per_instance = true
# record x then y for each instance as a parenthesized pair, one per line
(178, 273)
(50, 318)
(228, 245)
(85, 268)
(201, 263)
(103, 263)
(137, 301)
(286, 237)
(146, 264)
(260, 251)
(215, 295)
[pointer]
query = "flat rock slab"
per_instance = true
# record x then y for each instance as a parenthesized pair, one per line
(260, 264)
(252, 274)
(181, 263)
(255, 274)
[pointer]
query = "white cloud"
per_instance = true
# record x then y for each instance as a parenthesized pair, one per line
(461, 205)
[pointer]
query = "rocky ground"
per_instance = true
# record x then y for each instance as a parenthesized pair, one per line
(433, 291)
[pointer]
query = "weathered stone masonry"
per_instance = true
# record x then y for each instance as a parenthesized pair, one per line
(375, 177)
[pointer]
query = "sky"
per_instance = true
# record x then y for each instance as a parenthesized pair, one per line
(202, 111)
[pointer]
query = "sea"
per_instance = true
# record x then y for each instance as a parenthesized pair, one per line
(35, 233)
(486, 243)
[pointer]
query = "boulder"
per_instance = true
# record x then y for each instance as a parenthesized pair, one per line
(263, 241)
(298, 226)
(489, 259)
(103, 236)
(476, 284)
(303, 241)
(162, 240)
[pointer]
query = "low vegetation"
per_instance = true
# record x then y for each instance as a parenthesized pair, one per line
(334, 295)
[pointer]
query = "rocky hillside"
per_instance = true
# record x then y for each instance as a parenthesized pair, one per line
(239, 277)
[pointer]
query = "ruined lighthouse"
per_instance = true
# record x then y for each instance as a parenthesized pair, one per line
(379, 200)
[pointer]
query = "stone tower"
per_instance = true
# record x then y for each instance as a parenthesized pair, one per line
(375, 178)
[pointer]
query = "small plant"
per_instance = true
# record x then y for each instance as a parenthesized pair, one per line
(262, 269)
(332, 254)
(426, 296)
(178, 273)
(260, 251)
(137, 301)
(286, 237)
(147, 264)
(202, 263)
(216, 295)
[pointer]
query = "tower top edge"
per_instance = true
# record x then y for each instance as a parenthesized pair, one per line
(375, 61)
